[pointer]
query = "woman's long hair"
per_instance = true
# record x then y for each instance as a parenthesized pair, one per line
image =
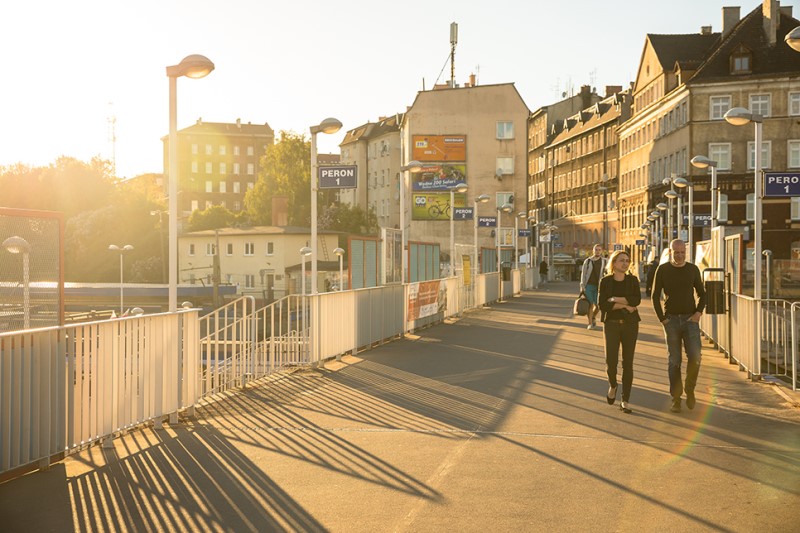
(614, 255)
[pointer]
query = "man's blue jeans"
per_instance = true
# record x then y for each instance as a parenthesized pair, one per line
(681, 333)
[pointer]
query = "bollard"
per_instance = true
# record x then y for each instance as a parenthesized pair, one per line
(715, 293)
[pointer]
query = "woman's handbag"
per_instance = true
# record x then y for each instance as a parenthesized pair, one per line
(581, 307)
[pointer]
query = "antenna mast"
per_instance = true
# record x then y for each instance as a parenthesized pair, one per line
(112, 137)
(453, 42)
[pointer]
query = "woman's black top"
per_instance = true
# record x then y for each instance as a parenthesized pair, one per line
(628, 288)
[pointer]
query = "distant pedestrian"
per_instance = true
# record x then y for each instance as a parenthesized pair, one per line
(543, 271)
(591, 272)
(619, 297)
(650, 274)
(684, 302)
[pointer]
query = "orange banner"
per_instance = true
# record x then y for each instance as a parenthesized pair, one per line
(439, 147)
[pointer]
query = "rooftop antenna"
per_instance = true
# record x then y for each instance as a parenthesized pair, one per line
(112, 137)
(453, 42)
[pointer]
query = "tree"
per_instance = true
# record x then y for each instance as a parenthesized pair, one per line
(285, 170)
(350, 219)
(213, 217)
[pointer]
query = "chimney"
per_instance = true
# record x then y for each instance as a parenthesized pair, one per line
(280, 210)
(199, 121)
(730, 17)
(705, 30)
(772, 19)
(786, 11)
(472, 76)
(612, 90)
(239, 123)
(586, 96)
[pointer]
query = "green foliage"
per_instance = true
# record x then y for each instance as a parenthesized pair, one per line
(348, 219)
(285, 170)
(213, 217)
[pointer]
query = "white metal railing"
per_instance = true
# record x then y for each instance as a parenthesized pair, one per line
(226, 343)
(65, 387)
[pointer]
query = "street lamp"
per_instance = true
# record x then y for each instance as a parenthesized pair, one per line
(122, 250)
(524, 216)
(671, 195)
(482, 199)
(701, 161)
(339, 252)
(656, 214)
(768, 255)
(683, 182)
(462, 188)
(18, 245)
(305, 251)
(413, 167)
(739, 116)
(604, 188)
(505, 208)
(329, 125)
(193, 66)
(793, 39)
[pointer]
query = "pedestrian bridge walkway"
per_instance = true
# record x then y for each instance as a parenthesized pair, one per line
(494, 421)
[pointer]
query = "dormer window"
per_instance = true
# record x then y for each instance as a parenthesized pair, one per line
(741, 61)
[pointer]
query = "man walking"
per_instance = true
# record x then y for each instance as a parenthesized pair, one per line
(684, 302)
(592, 270)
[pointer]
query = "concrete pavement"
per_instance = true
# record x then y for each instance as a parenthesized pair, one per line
(494, 422)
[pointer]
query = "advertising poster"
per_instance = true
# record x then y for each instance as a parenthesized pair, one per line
(426, 298)
(466, 270)
(434, 205)
(439, 147)
(439, 177)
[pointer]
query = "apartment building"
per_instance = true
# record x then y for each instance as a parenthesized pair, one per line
(217, 163)
(684, 86)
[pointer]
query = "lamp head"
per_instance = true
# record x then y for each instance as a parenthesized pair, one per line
(17, 245)
(193, 66)
(739, 116)
(682, 182)
(329, 125)
(338, 252)
(793, 39)
(412, 166)
(701, 161)
(506, 208)
(482, 199)
(671, 194)
(459, 187)
(662, 206)
(305, 251)
(522, 214)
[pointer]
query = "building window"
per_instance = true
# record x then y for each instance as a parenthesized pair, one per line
(721, 153)
(250, 185)
(194, 167)
(794, 154)
(794, 104)
(249, 150)
(751, 207)
(722, 212)
(237, 205)
(229, 249)
(741, 61)
(236, 168)
(194, 148)
(209, 186)
(222, 149)
(235, 150)
(718, 106)
(760, 104)
(249, 248)
(209, 167)
(505, 166)
(192, 278)
(766, 155)
(251, 169)
(223, 169)
(191, 249)
(195, 205)
(504, 198)
(249, 281)
(270, 248)
(209, 149)
(505, 130)
(211, 248)
(209, 204)
(795, 208)
(223, 186)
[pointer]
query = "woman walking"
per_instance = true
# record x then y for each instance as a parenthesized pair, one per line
(619, 296)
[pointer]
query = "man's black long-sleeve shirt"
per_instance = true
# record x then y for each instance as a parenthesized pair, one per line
(679, 285)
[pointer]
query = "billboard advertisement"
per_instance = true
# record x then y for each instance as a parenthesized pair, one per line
(434, 205)
(439, 147)
(439, 177)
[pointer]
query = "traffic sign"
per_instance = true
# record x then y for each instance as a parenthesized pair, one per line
(338, 177)
(784, 184)
(524, 233)
(462, 213)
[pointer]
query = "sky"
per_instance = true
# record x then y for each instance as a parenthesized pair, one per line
(70, 68)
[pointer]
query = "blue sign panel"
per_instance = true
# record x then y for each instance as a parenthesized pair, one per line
(462, 213)
(699, 220)
(784, 184)
(639, 242)
(524, 233)
(487, 222)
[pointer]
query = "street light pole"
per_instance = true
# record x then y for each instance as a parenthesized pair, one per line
(193, 66)
(683, 182)
(121, 250)
(329, 125)
(604, 189)
(18, 245)
(701, 161)
(460, 187)
(505, 208)
(339, 252)
(413, 167)
(305, 251)
(482, 199)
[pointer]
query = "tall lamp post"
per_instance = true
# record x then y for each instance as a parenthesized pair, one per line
(671, 195)
(305, 251)
(329, 125)
(18, 245)
(656, 214)
(701, 161)
(684, 183)
(460, 187)
(482, 199)
(521, 215)
(505, 208)
(122, 250)
(339, 252)
(604, 189)
(193, 66)
(413, 167)
(665, 217)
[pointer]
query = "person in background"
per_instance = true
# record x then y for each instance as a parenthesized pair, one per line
(591, 272)
(684, 302)
(619, 296)
(650, 274)
(543, 271)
